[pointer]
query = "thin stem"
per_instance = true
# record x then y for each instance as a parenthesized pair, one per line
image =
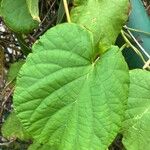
(6, 86)
(67, 11)
(127, 35)
(123, 47)
(132, 46)
(147, 65)
(136, 30)
(7, 143)
(139, 45)
(48, 12)
(6, 99)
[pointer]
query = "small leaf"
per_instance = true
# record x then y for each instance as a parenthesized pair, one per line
(103, 17)
(37, 146)
(33, 6)
(17, 17)
(12, 128)
(13, 70)
(66, 96)
(137, 124)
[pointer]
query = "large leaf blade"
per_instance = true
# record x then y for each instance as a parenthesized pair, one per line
(80, 102)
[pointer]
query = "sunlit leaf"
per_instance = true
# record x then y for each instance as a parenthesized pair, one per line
(68, 97)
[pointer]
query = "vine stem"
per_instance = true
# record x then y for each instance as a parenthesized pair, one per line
(123, 47)
(67, 11)
(136, 30)
(139, 45)
(132, 46)
(147, 65)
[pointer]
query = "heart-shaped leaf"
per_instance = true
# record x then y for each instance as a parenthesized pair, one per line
(136, 127)
(68, 97)
(103, 17)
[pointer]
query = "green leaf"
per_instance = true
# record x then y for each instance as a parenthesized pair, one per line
(17, 17)
(13, 70)
(37, 146)
(33, 6)
(12, 128)
(136, 127)
(69, 98)
(0, 8)
(103, 17)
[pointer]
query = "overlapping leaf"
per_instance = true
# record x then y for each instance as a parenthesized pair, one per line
(136, 127)
(68, 97)
(103, 17)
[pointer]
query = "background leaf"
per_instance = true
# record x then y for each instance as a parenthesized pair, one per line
(72, 99)
(12, 128)
(103, 18)
(136, 126)
(17, 17)
(13, 70)
(33, 6)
